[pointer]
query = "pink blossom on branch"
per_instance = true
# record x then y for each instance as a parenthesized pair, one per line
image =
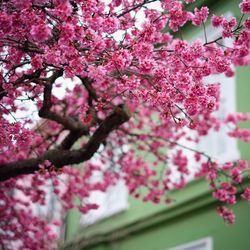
(200, 16)
(40, 32)
(226, 214)
(245, 6)
(129, 91)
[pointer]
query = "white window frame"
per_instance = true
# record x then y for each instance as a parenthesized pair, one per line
(113, 201)
(202, 244)
(217, 140)
(216, 144)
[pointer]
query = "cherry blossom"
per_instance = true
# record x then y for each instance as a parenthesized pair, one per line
(133, 92)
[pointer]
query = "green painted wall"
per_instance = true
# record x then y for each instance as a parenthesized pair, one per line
(73, 225)
(243, 104)
(191, 226)
(155, 227)
(151, 227)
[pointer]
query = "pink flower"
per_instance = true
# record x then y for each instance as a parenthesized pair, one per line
(40, 32)
(20, 4)
(236, 175)
(241, 133)
(245, 6)
(226, 193)
(181, 161)
(114, 63)
(5, 22)
(191, 106)
(247, 23)
(200, 16)
(217, 20)
(36, 62)
(226, 214)
(246, 194)
(110, 25)
(146, 65)
(178, 17)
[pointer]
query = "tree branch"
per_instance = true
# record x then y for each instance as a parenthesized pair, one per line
(87, 84)
(71, 138)
(135, 7)
(30, 77)
(61, 157)
(45, 112)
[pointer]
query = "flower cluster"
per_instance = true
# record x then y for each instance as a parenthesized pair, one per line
(132, 92)
(226, 214)
(245, 6)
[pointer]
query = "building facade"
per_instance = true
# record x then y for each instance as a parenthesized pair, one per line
(191, 222)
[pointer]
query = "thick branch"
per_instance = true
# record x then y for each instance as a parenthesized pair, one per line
(71, 138)
(48, 89)
(25, 46)
(60, 157)
(67, 122)
(45, 112)
(23, 79)
(91, 92)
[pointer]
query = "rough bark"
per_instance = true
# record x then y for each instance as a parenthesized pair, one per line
(62, 157)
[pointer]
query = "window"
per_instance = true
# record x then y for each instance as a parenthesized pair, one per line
(203, 244)
(218, 145)
(113, 201)
(110, 202)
